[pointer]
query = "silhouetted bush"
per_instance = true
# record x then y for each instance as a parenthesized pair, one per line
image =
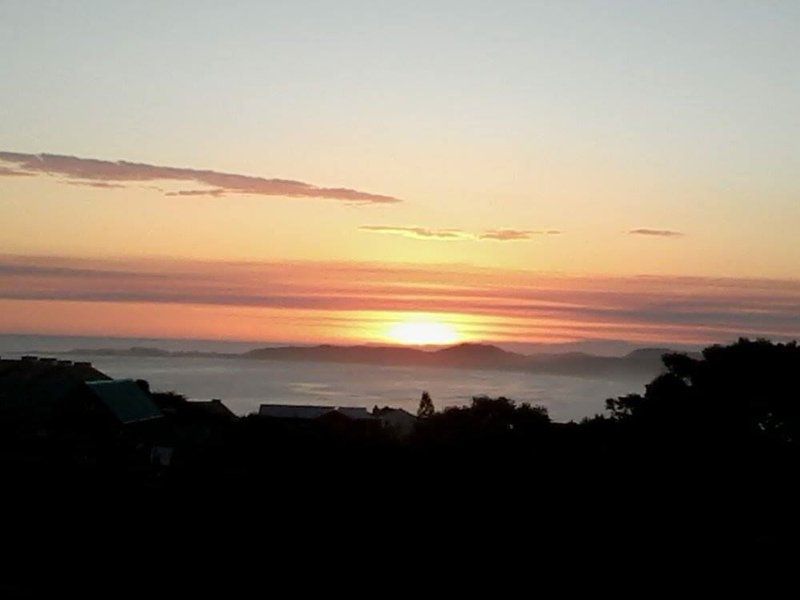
(708, 452)
(746, 392)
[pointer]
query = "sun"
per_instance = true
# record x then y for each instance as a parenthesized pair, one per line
(419, 332)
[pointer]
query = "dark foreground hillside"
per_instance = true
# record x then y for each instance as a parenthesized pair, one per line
(707, 458)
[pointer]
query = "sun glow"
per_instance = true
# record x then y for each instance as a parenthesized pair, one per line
(421, 332)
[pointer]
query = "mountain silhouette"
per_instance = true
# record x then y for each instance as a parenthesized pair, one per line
(640, 362)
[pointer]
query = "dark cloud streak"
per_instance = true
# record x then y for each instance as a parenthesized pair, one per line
(695, 307)
(104, 173)
(655, 232)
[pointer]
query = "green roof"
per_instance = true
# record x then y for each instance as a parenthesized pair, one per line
(125, 399)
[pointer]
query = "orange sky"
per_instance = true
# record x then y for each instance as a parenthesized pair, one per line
(505, 172)
(349, 302)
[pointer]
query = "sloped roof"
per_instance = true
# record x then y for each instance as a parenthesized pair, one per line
(125, 399)
(213, 409)
(40, 383)
(357, 413)
(292, 411)
(386, 410)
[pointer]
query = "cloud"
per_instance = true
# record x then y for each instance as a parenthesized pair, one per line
(511, 235)
(97, 184)
(490, 303)
(7, 172)
(213, 192)
(655, 232)
(102, 173)
(420, 233)
(425, 233)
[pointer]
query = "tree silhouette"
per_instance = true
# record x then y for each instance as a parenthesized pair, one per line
(426, 408)
(744, 390)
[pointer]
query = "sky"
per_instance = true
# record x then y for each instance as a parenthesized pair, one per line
(400, 172)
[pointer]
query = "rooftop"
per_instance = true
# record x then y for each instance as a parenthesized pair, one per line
(300, 411)
(126, 400)
(31, 380)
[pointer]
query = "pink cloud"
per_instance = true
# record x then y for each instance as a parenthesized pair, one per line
(87, 171)
(498, 304)
(7, 172)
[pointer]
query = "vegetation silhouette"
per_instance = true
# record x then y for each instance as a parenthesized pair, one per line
(426, 408)
(742, 393)
(706, 456)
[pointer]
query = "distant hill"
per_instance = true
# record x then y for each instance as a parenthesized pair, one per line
(463, 355)
(642, 362)
(645, 361)
(143, 351)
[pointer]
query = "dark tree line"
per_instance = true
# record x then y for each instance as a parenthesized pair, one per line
(745, 393)
(709, 452)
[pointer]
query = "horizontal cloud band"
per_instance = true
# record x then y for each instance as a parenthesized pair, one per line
(656, 232)
(425, 233)
(104, 173)
(503, 305)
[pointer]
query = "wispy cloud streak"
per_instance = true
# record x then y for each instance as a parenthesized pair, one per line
(104, 173)
(507, 305)
(420, 233)
(426, 233)
(655, 232)
(511, 235)
(9, 172)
